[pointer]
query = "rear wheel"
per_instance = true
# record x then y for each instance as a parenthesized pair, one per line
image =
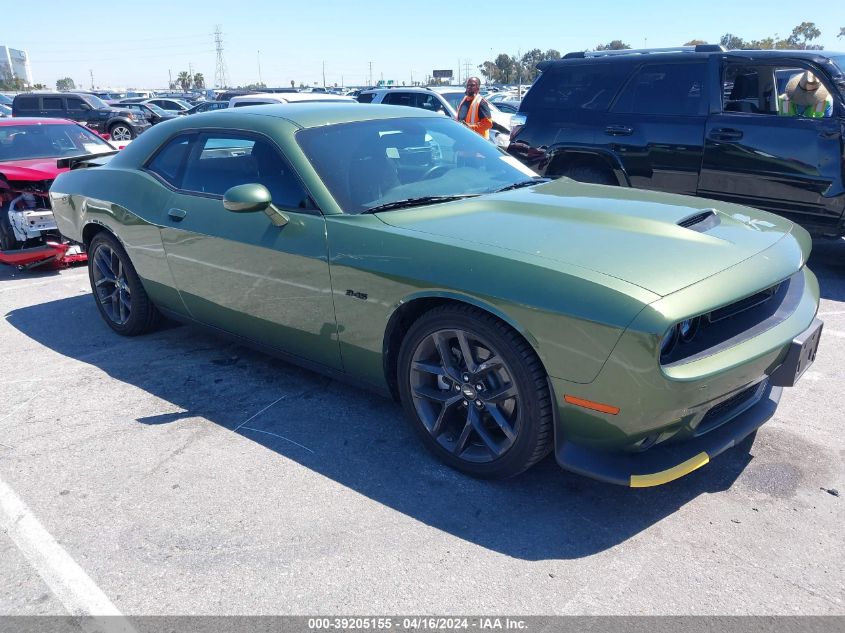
(121, 299)
(476, 392)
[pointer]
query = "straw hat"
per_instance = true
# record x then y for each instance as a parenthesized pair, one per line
(806, 89)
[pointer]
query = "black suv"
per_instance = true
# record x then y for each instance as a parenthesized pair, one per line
(120, 124)
(699, 121)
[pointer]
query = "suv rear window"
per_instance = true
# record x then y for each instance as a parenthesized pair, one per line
(366, 97)
(576, 87)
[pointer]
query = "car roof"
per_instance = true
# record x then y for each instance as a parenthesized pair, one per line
(673, 55)
(35, 121)
(308, 115)
(285, 97)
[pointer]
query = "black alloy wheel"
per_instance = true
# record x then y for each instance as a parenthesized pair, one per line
(117, 289)
(476, 392)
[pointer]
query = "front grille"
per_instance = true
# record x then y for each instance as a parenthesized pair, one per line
(743, 304)
(728, 409)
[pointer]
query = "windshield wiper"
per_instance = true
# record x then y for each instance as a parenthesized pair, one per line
(414, 202)
(536, 180)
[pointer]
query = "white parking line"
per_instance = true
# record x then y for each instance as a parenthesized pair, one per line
(65, 578)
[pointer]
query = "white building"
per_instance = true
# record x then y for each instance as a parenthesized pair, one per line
(15, 63)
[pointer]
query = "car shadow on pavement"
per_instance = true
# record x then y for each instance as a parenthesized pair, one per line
(362, 441)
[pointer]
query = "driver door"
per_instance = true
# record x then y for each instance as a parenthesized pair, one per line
(237, 271)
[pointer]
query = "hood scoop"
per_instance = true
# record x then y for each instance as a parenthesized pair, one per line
(702, 221)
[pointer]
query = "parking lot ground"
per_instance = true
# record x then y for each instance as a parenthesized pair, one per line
(182, 474)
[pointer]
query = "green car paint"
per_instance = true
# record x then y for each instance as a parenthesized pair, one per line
(592, 277)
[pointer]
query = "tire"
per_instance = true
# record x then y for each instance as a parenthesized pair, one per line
(121, 132)
(493, 432)
(120, 297)
(594, 175)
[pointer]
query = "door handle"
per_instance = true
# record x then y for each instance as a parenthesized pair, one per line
(725, 134)
(618, 130)
(177, 215)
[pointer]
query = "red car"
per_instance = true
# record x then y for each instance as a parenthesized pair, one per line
(29, 151)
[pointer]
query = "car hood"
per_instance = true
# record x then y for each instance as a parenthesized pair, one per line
(628, 234)
(32, 169)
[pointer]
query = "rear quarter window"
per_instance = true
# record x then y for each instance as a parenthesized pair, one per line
(366, 97)
(26, 103)
(576, 87)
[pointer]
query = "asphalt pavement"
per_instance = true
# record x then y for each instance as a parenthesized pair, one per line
(177, 473)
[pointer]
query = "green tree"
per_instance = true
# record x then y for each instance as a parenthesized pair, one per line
(614, 45)
(802, 35)
(694, 42)
(66, 83)
(505, 66)
(529, 63)
(199, 81)
(731, 41)
(184, 80)
(841, 31)
(489, 71)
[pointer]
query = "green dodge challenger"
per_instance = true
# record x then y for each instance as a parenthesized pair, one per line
(636, 334)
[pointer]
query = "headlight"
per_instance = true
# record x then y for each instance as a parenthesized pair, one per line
(688, 328)
(669, 341)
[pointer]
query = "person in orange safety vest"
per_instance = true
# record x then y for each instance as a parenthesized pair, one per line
(474, 111)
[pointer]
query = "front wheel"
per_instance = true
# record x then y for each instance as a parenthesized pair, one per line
(476, 392)
(121, 299)
(121, 132)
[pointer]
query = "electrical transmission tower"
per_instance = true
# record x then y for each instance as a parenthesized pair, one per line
(221, 80)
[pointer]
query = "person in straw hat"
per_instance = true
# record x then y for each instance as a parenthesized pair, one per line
(805, 96)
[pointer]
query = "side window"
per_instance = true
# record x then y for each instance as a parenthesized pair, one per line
(221, 162)
(800, 93)
(366, 97)
(670, 89)
(577, 87)
(429, 102)
(169, 162)
(749, 89)
(53, 103)
(26, 103)
(399, 98)
(75, 104)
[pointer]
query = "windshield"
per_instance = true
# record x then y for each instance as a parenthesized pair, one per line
(839, 60)
(454, 98)
(156, 109)
(5, 99)
(5, 110)
(368, 164)
(23, 142)
(96, 102)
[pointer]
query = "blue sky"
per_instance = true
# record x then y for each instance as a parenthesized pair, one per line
(135, 44)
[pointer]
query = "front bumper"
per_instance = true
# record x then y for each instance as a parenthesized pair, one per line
(664, 463)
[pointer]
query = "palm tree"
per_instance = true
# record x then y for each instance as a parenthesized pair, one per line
(184, 79)
(199, 81)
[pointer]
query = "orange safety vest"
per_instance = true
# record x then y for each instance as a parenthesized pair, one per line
(479, 126)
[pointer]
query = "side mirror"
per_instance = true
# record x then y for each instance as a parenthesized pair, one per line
(247, 198)
(250, 198)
